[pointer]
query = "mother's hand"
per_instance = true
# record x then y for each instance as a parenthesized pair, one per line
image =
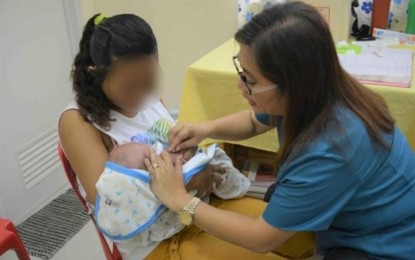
(186, 135)
(166, 179)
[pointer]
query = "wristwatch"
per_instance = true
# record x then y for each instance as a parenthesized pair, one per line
(187, 213)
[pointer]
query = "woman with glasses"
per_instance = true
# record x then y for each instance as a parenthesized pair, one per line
(346, 171)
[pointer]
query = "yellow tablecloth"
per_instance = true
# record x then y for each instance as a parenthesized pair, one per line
(210, 91)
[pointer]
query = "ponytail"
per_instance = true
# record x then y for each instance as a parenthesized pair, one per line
(87, 84)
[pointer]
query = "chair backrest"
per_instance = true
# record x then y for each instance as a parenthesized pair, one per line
(70, 174)
(10, 240)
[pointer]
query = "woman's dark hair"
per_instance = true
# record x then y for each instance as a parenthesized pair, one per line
(115, 37)
(293, 48)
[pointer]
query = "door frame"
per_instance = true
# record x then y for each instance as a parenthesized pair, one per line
(72, 11)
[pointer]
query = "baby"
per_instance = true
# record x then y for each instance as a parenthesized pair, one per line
(126, 210)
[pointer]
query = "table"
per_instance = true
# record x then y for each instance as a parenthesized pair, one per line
(210, 91)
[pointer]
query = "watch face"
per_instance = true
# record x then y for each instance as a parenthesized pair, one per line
(185, 217)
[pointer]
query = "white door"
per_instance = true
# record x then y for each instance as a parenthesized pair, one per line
(36, 52)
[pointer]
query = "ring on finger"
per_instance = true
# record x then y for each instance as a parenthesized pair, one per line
(156, 165)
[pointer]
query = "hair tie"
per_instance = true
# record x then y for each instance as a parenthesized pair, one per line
(99, 19)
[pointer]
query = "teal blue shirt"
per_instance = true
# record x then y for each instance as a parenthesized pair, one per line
(351, 191)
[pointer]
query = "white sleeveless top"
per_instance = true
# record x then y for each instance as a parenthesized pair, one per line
(123, 129)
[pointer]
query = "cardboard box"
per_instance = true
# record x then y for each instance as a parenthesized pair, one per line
(337, 13)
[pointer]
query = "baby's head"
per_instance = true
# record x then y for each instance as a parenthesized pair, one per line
(132, 155)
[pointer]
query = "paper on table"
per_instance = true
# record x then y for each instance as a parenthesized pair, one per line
(381, 65)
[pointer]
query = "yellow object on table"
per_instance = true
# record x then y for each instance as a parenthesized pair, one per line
(210, 91)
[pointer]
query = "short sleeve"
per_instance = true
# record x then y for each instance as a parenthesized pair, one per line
(311, 190)
(272, 121)
(263, 118)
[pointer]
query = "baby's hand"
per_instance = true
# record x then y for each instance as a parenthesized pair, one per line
(188, 153)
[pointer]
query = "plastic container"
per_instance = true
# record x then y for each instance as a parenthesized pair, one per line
(410, 23)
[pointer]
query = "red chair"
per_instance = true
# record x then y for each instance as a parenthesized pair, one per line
(115, 254)
(10, 240)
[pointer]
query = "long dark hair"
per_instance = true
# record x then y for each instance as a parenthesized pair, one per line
(293, 48)
(115, 37)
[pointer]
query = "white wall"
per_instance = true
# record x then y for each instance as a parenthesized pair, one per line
(35, 60)
(2, 207)
(185, 30)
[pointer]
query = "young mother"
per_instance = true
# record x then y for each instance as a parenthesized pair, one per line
(345, 170)
(115, 82)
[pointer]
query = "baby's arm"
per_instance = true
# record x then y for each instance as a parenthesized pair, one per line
(234, 183)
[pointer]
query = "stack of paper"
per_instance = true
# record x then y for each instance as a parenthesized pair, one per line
(384, 66)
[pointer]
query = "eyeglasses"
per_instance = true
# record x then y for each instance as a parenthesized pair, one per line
(244, 79)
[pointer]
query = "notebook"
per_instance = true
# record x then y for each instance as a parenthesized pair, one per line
(385, 66)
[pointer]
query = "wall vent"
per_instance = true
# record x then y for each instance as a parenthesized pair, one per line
(39, 158)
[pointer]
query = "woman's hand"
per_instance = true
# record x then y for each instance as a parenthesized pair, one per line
(167, 179)
(186, 135)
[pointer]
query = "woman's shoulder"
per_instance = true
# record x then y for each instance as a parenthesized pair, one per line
(72, 120)
(70, 112)
(74, 130)
(72, 106)
(71, 115)
(347, 136)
